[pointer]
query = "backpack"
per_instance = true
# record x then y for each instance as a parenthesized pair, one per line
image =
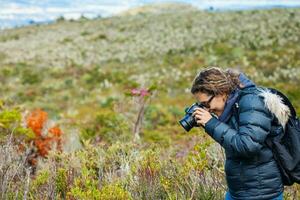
(285, 146)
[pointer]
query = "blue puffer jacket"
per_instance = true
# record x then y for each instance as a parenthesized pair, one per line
(251, 171)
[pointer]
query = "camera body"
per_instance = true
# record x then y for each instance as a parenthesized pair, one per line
(188, 121)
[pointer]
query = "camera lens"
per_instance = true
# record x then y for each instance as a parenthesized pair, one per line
(188, 121)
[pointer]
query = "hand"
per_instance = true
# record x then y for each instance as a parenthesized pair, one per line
(202, 116)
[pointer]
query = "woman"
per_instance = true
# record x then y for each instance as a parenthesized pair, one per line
(251, 171)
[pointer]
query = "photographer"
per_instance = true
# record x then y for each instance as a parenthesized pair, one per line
(251, 171)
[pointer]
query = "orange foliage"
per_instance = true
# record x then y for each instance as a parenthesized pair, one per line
(55, 133)
(36, 121)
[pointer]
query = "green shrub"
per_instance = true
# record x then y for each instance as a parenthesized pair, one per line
(10, 122)
(114, 192)
(61, 182)
(31, 77)
(109, 126)
(156, 137)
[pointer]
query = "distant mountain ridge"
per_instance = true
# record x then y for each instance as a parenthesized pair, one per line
(159, 8)
(133, 37)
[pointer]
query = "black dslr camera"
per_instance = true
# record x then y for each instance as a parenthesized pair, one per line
(188, 121)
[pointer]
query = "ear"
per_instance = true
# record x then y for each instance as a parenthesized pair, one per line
(225, 96)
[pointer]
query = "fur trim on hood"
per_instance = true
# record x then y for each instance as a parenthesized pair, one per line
(275, 104)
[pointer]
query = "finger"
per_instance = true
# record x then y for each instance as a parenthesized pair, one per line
(199, 122)
(206, 109)
(198, 116)
(197, 112)
(200, 109)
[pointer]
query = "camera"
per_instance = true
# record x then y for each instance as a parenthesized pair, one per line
(188, 121)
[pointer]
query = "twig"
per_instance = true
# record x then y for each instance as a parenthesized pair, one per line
(27, 184)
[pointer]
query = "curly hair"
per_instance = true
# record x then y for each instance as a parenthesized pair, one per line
(215, 81)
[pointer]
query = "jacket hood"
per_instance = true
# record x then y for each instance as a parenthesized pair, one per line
(246, 82)
(274, 103)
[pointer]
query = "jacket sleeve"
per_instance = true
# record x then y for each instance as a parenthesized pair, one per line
(254, 126)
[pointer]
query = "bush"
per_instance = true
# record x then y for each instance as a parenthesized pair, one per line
(109, 126)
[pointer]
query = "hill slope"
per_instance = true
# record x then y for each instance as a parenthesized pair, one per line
(71, 68)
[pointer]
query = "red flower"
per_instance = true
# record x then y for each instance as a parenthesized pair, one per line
(140, 92)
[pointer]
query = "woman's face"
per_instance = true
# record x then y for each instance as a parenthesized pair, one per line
(214, 104)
